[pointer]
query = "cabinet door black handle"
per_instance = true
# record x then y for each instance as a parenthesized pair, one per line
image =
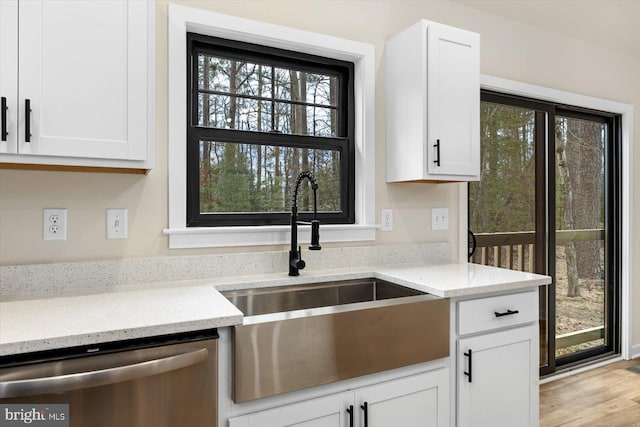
(437, 145)
(506, 313)
(470, 373)
(350, 412)
(27, 120)
(365, 408)
(4, 108)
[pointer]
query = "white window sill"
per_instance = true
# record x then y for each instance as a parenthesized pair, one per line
(201, 237)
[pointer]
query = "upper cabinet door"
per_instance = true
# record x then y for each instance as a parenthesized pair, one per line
(83, 70)
(9, 75)
(433, 104)
(453, 74)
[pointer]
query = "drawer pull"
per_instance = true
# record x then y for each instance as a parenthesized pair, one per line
(470, 356)
(506, 313)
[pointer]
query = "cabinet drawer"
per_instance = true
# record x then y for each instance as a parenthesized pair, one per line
(497, 312)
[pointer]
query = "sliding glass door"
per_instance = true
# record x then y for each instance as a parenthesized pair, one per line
(547, 203)
(586, 224)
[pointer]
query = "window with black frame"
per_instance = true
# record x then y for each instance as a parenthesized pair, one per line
(258, 116)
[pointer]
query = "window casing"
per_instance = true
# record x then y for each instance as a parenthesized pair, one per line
(183, 20)
(250, 138)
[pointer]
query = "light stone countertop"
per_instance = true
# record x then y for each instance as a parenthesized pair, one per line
(43, 324)
(35, 324)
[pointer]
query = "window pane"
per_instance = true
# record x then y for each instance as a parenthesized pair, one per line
(503, 201)
(321, 121)
(321, 89)
(303, 120)
(230, 112)
(245, 95)
(246, 178)
(234, 77)
(580, 225)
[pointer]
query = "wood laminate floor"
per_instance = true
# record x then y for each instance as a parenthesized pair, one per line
(604, 397)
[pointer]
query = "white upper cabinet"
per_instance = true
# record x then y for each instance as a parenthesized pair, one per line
(8, 76)
(78, 78)
(433, 104)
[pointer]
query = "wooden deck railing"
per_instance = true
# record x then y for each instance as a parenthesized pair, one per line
(515, 251)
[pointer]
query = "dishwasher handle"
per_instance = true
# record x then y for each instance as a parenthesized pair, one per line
(80, 380)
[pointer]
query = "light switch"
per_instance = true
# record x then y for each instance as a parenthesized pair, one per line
(117, 224)
(440, 218)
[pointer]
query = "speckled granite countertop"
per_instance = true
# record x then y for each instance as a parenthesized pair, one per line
(35, 324)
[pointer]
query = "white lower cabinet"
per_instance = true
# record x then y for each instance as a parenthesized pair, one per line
(417, 401)
(497, 368)
(420, 400)
(327, 411)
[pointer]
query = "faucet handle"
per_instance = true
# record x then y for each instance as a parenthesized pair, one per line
(315, 236)
(299, 263)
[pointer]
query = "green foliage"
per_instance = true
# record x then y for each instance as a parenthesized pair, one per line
(504, 198)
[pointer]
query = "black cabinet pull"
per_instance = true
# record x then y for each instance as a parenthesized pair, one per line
(437, 145)
(27, 120)
(4, 107)
(470, 356)
(350, 412)
(365, 408)
(506, 313)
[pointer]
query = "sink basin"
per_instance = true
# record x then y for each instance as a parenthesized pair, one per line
(254, 302)
(300, 336)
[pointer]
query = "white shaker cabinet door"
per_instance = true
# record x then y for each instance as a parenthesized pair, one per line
(328, 411)
(420, 400)
(83, 70)
(453, 97)
(433, 104)
(498, 379)
(9, 75)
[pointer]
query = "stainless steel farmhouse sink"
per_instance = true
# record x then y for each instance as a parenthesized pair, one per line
(294, 337)
(254, 302)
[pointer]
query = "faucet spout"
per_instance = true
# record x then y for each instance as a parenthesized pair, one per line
(295, 254)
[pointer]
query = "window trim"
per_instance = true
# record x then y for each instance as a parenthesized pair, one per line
(183, 19)
(341, 143)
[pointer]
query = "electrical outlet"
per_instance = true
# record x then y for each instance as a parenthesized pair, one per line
(54, 224)
(440, 218)
(386, 218)
(117, 224)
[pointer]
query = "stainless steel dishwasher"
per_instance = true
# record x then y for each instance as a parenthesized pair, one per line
(166, 381)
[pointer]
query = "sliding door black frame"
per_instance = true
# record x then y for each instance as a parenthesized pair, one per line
(545, 220)
(612, 241)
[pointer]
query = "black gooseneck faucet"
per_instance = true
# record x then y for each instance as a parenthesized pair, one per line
(295, 253)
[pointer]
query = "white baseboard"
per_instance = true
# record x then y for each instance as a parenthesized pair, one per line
(635, 351)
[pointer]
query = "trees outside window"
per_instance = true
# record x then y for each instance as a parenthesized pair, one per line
(258, 117)
(548, 202)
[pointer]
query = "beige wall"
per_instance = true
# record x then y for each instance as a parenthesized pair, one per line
(509, 49)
